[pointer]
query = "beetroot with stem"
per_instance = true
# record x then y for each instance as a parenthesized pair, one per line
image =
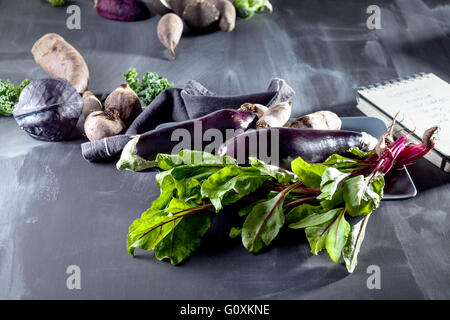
(394, 154)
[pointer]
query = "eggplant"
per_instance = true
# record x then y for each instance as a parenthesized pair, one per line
(279, 146)
(197, 134)
(160, 141)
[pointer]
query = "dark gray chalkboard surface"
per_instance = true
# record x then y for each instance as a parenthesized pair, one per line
(58, 210)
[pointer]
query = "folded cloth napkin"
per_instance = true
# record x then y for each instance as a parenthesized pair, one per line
(175, 104)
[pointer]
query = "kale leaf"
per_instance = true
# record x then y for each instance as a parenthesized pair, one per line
(247, 8)
(9, 95)
(57, 3)
(149, 87)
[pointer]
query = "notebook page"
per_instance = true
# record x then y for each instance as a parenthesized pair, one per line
(423, 102)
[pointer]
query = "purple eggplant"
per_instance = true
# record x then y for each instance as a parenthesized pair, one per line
(279, 146)
(196, 133)
(122, 10)
(203, 134)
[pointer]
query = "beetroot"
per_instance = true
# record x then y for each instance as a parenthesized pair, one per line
(102, 124)
(122, 10)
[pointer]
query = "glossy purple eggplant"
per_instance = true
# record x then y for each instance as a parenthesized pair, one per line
(279, 146)
(210, 130)
(122, 10)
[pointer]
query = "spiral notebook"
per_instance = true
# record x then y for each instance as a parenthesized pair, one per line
(422, 100)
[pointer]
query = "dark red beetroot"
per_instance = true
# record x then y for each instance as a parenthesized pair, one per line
(195, 132)
(122, 10)
(280, 146)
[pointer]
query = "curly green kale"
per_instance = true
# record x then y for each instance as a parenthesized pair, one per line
(149, 87)
(9, 95)
(57, 3)
(131, 77)
(247, 8)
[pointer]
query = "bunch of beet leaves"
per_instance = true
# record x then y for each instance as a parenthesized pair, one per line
(316, 197)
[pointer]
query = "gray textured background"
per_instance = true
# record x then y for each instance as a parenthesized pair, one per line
(57, 209)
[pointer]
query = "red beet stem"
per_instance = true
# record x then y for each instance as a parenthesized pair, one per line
(397, 154)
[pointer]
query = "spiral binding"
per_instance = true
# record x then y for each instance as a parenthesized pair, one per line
(394, 82)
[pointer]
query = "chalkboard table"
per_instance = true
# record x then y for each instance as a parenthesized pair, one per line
(57, 210)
